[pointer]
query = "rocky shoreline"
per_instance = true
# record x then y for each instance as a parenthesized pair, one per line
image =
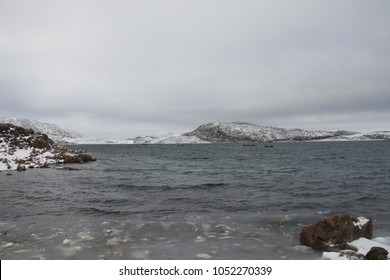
(22, 148)
(338, 237)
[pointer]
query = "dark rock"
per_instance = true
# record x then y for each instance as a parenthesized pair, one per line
(335, 232)
(68, 168)
(21, 167)
(77, 158)
(377, 253)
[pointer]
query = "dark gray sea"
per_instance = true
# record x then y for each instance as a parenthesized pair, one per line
(204, 201)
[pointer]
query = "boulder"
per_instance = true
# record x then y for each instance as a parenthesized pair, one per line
(21, 167)
(335, 232)
(377, 253)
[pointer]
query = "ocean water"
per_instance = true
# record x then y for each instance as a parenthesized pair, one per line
(205, 201)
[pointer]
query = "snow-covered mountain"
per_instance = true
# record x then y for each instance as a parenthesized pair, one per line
(166, 137)
(242, 132)
(213, 132)
(152, 139)
(378, 135)
(54, 132)
(230, 132)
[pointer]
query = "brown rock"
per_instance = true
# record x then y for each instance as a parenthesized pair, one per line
(335, 231)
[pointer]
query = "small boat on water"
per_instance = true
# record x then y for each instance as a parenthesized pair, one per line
(268, 145)
(249, 144)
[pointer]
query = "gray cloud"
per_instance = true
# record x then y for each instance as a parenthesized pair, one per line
(120, 68)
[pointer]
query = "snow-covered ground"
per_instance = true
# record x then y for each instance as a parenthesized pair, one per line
(9, 160)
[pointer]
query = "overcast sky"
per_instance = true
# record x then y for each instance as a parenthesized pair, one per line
(122, 68)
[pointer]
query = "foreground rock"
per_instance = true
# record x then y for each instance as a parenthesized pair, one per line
(377, 253)
(335, 232)
(343, 237)
(22, 148)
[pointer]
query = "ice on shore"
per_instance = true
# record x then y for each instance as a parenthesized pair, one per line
(203, 256)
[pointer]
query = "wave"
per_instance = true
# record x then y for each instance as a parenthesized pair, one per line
(169, 187)
(95, 210)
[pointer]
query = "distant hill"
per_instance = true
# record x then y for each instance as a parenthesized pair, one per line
(378, 135)
(243, 132)
(166, 138)
(213, 132)
(54, 132)
(230, 132)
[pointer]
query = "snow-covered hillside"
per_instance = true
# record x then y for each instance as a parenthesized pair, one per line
(246, 132)
(242, 132)
(166, 137)
(378, 135)
(213, 132)
(54, 132)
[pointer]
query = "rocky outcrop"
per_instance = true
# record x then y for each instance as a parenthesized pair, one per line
(335, 232)
(66, 155)
(22, 148)
(23, 137)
